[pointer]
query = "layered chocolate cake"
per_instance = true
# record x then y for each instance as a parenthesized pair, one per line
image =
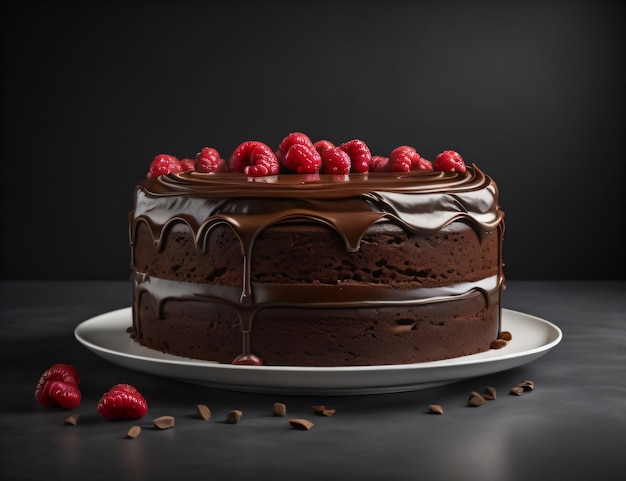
(304, 256)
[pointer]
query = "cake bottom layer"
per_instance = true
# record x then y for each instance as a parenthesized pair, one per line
(322, 337)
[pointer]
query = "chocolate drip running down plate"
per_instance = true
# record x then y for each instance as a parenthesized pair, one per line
(107, 336)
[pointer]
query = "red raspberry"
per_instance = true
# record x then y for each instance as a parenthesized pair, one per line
(402, 158)
(423, 164)
(380, 164)
(322, 145)
(292, 139)
(254, 158)
(122, 401)
(303, 158)
(449, 161)
(164, 164)
(405, 159)
(336, 161)
(306, 160)
(187, 164)
(58, 386)
(359, 153)
(208, 160)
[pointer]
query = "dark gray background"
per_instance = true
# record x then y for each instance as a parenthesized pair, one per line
(532, 92)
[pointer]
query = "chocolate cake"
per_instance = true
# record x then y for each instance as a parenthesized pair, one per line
(390, 265)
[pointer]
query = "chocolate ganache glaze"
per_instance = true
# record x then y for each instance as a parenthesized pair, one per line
(419, 202)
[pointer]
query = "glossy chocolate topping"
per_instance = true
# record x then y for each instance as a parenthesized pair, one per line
(422, 202)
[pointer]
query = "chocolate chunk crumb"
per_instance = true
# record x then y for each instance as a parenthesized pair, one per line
(435, 409)
(279, 409)
(476, 400)
(72, 419)
(505, 335)
(498, 344)
(490, 393)
(233, 416)
(163, 422)
(301, 424)
(203, 411)
(527, 385)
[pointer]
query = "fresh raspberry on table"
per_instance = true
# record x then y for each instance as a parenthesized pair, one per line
(58, 386)
(122, 401)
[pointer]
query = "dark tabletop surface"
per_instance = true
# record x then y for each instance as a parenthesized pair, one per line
(571, 426)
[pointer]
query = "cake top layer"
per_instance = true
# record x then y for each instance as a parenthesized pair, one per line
(345, 188)
(421, 202)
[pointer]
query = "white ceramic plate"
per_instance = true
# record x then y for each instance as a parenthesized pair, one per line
(106, 336)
